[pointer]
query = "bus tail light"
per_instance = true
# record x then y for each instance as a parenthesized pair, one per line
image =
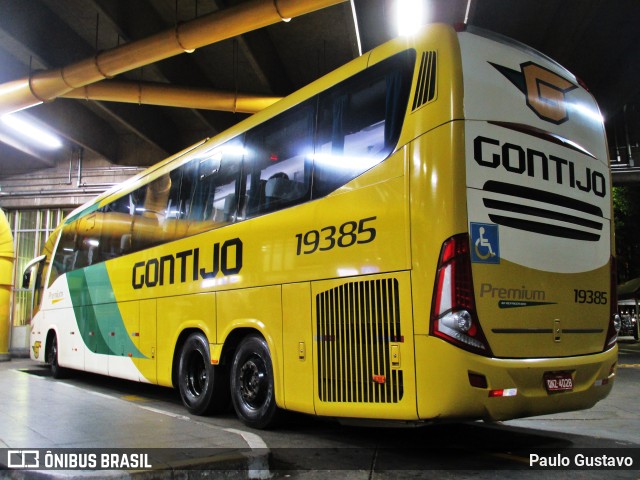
(614, 318)
(453, 311)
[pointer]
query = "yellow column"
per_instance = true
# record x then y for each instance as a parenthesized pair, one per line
(6, 284)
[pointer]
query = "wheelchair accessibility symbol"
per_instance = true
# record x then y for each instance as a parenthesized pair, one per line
(485, 243)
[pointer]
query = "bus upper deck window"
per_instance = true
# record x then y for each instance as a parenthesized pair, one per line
(359, 122)
(277, 161)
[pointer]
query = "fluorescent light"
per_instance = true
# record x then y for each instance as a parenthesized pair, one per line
(31, 132)
(409, 16)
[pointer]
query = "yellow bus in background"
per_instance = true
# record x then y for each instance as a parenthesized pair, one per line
(423, 234)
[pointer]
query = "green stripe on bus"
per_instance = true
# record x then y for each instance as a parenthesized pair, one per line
(108, 335)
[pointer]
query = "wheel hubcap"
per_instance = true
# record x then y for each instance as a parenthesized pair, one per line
(252, 382)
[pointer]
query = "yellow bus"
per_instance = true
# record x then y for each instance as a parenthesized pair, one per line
(423, 234)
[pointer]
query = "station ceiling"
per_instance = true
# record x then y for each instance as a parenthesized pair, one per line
(598, 40)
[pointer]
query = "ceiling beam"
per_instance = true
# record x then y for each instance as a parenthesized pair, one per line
(24, 23)
(16, 152)
(136, 20)
(162, 94)
(16, 162)
(80, 126)
(147, 122)
(186, 37)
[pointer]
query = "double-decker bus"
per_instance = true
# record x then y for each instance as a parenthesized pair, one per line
(423, 234)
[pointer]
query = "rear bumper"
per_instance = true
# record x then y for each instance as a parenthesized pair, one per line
(444, 390)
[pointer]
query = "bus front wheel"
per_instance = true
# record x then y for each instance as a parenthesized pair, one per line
(204, 388)
(52, 358)
(252, 387)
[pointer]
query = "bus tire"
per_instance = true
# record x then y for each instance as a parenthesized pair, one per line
(204, 388)
(52, 358)
(252, 385)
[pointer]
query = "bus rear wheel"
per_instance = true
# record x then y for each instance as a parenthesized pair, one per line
(252, 386)
(204, 388)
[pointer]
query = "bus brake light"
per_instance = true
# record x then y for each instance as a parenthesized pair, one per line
(453, 312)
(503, 392)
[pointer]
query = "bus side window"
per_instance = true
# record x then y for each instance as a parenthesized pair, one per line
(174, 209)
(278, 162)
(88, 229)
(181, 203)
(142, 218)
(151, 225)
(78, 246)
(214, 183)
(64, 259)
(359, 122)
(115, 217)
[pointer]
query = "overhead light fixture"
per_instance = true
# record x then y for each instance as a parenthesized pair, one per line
(31, 132)
(409, 16)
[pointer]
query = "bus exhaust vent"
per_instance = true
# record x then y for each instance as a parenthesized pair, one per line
(542, 212)
(426, 87)
(358, 324)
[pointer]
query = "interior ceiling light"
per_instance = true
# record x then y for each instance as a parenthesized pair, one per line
(409, 16)
(32, 133)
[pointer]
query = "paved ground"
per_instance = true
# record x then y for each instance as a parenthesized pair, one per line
(41, 413)
(87, 412)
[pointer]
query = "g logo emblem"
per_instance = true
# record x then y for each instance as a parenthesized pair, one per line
(544, 90)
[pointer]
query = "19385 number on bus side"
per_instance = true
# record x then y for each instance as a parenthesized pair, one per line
(343, 236)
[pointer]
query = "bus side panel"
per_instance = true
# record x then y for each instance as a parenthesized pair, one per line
(146, 342)
(175, 315)
(57, 315)
(96, 358)
(438, 208)
(70, 346)
(259, 309)
(297, 347)
(106, 327)
(71, 320)
(440, 43)
(123, 343)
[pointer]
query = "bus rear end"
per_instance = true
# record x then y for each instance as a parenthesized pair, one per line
(527, 295)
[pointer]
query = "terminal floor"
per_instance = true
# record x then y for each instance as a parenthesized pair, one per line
(38, 412)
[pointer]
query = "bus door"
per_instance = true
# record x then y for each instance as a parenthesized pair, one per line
(33, 283)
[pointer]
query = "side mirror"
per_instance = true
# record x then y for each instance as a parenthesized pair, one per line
(26, 276)
(26, 279)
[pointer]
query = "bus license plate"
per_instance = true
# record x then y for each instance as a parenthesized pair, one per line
(558, 382)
